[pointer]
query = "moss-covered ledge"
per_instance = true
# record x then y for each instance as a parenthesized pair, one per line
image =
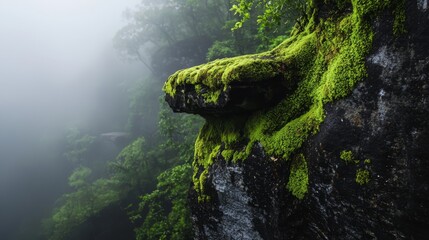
(240, 84)
(318, 64)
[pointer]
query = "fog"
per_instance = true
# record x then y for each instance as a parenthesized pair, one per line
(58, 69)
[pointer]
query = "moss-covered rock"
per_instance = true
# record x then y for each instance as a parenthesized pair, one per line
(240, 84)
(315, 66)
(333, 74)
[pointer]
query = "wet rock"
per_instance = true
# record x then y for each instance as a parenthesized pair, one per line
(237, 98)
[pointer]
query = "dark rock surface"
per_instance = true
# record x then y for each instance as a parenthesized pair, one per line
(384, 120)
(237, 98)
(244, 197)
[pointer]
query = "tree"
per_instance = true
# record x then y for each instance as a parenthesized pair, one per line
(271, 14)
(164, 211)
(78, 145)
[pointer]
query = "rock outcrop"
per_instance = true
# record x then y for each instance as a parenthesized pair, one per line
(324, 137)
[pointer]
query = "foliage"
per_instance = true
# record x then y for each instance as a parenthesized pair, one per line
(77, 145)
(179, 132)
(79, 177)
(134, 173)
(87, 200)
(221, 49)
(167, 214)
(274, 42)
(133, 167)
(144, 108)
(274, 13)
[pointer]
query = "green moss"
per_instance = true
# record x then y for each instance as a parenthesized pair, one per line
(228, 154)
(325, 60)
(362, 176)
(200, 186)
(400, 17)
(217, 75)
(243, 154)
(215, 138)
(347, 156)
(212, 96)
(298, 178)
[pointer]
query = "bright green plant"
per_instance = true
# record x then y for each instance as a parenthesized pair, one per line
(298, 178)
(166, 211)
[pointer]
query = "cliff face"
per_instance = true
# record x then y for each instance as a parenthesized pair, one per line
(324, 137)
